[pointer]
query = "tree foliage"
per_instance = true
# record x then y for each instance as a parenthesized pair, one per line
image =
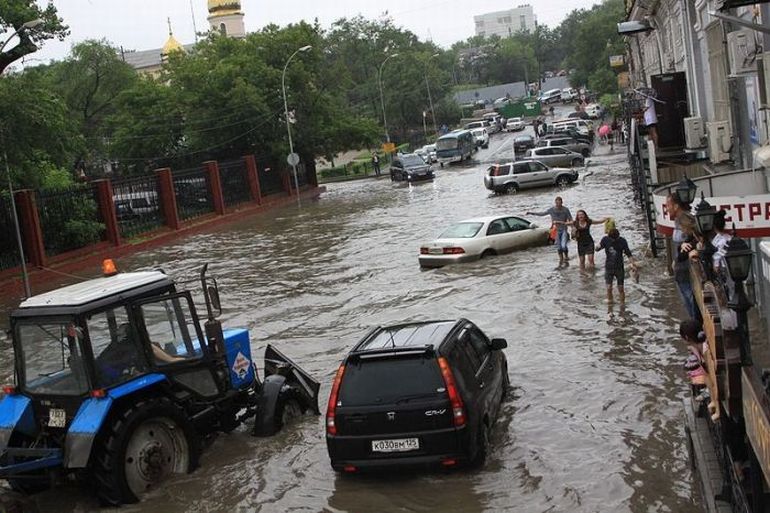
(14, 14)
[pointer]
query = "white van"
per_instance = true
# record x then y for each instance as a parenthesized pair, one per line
(550, 96)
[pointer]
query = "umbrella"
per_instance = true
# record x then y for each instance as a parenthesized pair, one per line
(604, 130)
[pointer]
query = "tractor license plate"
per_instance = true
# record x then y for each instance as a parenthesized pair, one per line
(57, 418)
(397, 445)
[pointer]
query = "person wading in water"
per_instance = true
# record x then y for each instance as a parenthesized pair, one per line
(582, 234)
(560, 216)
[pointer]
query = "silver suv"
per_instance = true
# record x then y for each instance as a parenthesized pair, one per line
(565, 142)
(513, 176)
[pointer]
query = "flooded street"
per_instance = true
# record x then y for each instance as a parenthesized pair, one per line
(594, 423)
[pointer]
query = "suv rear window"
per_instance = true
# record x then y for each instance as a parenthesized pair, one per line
(390, 380)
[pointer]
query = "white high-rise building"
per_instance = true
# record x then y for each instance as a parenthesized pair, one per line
(506, 23)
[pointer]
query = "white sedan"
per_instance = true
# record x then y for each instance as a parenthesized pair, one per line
(481, 237)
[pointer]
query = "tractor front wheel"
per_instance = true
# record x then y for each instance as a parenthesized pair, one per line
(141, 447)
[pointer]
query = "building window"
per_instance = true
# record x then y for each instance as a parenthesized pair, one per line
(479, 23)
(223, 29)
(506, 19)
(523, 22)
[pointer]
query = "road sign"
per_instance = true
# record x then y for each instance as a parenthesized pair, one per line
(389, 147)
(292, 159)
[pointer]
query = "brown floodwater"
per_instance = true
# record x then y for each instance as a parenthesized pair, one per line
(594, 423)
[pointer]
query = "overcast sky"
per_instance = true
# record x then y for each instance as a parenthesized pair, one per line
(141, 24)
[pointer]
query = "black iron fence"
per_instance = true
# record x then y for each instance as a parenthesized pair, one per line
(69, 218)
(193, 194)
(235, 182)
(269, 179)
(137, 205)
(9, 248)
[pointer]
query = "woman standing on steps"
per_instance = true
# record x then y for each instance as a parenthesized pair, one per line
(582, 234)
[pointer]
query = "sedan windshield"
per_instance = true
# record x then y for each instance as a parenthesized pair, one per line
(461, 231)
(51, 358)
(412, 160)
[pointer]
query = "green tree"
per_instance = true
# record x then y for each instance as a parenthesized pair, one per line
(14, 14)
(38, 136)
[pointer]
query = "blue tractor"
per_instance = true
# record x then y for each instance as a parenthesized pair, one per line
(116, 381)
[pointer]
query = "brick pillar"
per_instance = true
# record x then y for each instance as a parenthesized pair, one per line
(107, 209)
(215, 186)
(168, 197)
(31, 232)
(253, 176)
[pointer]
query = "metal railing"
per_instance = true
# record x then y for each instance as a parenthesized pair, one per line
(269, 179)
(235, 182)
(9, 247)
(69, 218)
(193, 194)
(137, 205)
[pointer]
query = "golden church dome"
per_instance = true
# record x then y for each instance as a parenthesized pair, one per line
(224, 7)
(172, 45)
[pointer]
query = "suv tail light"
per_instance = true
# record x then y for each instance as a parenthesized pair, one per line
(423, 251)
(454, 251)
(331, 426)
(458, 411)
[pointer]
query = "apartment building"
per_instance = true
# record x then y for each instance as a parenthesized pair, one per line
(506, 23)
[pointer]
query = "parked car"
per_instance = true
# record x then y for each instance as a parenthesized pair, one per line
(409, 167)
(495, 122)
(568, 94)
(550, 96)
(514, 125)
(560, 157)
(569, 133)
(424, 393)
(481, 136)
(522, 143)
(501, 102)
(476, 124)
(594, 110)
(473, 239)
(430, 150)
(565, 142)
(514, 176)
(134, 204)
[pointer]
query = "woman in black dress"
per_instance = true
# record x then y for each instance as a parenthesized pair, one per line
(582, 234)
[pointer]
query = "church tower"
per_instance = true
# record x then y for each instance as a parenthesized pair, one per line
(225, 17)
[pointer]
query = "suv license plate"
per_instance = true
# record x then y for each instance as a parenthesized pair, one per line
(397, 445)
(57, 418)
(436, 251)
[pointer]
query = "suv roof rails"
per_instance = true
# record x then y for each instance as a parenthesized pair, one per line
(386, 351)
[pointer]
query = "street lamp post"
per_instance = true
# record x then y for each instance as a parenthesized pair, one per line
(288, 122)
(685, 191)
(382, 96)
(27, 289)
(738, 259)
(430, 98)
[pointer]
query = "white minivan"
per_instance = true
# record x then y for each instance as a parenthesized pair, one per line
(550, 96)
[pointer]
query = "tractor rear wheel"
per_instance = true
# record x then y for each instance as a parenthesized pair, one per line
(141, 447)
(289, 408)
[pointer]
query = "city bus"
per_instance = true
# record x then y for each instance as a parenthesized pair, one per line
(455, 147)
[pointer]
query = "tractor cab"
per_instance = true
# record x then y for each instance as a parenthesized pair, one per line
(92, 357)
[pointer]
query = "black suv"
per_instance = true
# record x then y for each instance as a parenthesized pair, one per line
(410, 167)
(416, 394)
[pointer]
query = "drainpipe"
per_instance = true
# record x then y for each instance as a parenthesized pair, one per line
(690, 55)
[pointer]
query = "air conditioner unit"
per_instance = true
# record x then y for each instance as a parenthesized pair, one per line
(719, 141)
(693, 132)
(763, 73)
(742, 49)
